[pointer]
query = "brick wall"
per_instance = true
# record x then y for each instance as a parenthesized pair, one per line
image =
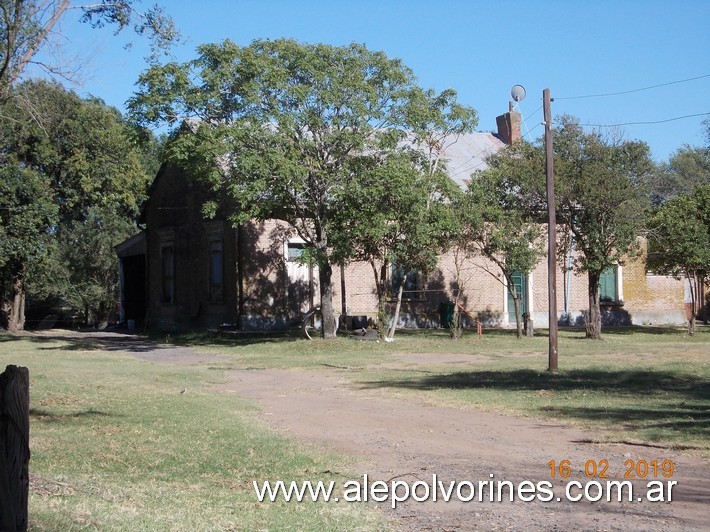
(261, 290)
(173, 219)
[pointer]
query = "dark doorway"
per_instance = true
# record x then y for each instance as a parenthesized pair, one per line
(133, 289)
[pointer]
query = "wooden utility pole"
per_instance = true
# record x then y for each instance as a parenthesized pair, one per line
(551, 234)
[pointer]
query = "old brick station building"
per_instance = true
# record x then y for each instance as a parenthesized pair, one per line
(184, 271)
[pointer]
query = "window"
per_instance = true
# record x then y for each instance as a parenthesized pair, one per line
(294, 251)
(608, 288)
(216, 271)
(167, 257)
(412, 288)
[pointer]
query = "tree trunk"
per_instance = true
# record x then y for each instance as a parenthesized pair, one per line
(594, 319)
(692, 283)
(518, 317)
(382, 301)
(14, 447)
(456, 328)
(330, 324)
(381, 287)
(395, 319)
(14, 306)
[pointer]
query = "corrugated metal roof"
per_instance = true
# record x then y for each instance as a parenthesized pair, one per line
(467, 154)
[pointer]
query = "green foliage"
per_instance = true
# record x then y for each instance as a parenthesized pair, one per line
(600, 196)
(491, 226)
(28, 26)
(27, 216)
(398, 212)
(311, 134)
(680, 235)
(81, 158)
(84, 271)
(82, 146)
(688, 168)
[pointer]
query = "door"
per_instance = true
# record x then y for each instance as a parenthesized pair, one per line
(520, 281)
(302, 281)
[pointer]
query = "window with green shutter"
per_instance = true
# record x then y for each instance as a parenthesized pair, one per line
(608, 289)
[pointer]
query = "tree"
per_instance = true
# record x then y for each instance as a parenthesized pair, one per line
(286, 129)
(399, 219)
(679, 234)
(505, 234)
(82, 157)
(83, 271)
(688, 168)
(29, 26)
(600, 195)
(601, 202)
(396, 222)
(27, 215)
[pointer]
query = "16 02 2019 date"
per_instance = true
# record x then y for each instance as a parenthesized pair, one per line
(600, 468)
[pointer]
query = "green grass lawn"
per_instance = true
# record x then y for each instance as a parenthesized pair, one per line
(116, 446)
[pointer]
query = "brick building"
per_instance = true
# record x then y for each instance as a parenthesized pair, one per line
(184, 271)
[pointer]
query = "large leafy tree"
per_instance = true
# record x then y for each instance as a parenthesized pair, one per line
(601, 203)
(399, 217)
(27, 216)
(83, 271)
(286, 129)
(28, 27)
(688, 168)
(600, 193)
(397, 222)
(497, 229)
(679, 234)
(81, 155)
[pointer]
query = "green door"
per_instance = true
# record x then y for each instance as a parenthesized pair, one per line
(520, 281)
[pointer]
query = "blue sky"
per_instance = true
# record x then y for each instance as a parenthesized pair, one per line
(479, 48)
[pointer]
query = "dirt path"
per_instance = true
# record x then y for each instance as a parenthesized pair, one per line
(401, 439)
(405, 440)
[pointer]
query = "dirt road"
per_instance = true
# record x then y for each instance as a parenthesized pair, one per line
(401, 439)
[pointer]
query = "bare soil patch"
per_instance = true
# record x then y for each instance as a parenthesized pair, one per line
(396, 438)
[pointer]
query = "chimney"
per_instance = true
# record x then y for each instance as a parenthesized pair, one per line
(509, 126)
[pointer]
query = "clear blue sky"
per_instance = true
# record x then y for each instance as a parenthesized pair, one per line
(479, 48)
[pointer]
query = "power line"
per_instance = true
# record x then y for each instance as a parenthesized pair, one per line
(487, 151)
(642, 123)
(633, 90)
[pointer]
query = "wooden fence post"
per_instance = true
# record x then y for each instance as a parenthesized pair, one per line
(14, 448)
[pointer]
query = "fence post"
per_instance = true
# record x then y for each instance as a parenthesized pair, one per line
(14, 448)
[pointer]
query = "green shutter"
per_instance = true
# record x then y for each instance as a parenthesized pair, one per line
(607, 285)
(520, 281)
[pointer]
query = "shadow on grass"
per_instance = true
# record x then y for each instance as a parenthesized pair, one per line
(579, 333)
(681, 403)
(691, 420)
(53, 417)
(631, 382)
(232, 338)
(140, 343)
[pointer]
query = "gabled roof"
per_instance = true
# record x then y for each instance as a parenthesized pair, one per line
(134, 245)
(467, 154)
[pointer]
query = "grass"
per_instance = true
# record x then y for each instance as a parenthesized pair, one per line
(116, 446)
(640, 384)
